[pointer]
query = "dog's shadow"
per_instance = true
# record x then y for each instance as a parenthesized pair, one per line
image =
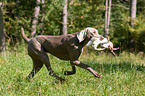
(114, 67)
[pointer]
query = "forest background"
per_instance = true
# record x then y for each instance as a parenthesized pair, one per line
(80, 14)
(122, 75)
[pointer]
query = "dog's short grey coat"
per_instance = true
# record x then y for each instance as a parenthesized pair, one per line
(65, 47)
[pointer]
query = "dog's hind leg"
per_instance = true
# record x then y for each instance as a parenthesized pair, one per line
(37, 65)
(45, 60)
(71, 72)
(39, 57)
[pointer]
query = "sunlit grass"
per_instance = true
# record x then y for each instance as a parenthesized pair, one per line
(122, 75)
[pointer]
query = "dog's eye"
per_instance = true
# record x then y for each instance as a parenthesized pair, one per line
(94, 32)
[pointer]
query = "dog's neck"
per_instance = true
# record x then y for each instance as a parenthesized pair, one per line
(85, 41)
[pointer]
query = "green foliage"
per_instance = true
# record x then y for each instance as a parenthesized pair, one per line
(52, 18)
(122, 33)
(86, 14)
(131, 37)
(81, 14)
(138, 33)
(122, 75)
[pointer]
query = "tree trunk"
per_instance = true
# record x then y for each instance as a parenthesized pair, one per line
(109, 13)
(35, 20)
(107, 17)
(106, 25)
(2, 36)
(64, 28)
(43, 11)
(133, 5)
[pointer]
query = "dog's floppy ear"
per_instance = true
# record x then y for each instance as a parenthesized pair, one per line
(81, 35)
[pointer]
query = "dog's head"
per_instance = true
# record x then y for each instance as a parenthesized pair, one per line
(88, 33)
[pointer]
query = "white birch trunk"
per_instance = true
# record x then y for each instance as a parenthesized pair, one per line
(35, 20)
(107, 17)
(64, 28)
(133, 11)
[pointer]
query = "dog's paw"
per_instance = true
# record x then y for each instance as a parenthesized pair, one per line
(60, 79)
(98, 75)
(69, 72)
(65, 73)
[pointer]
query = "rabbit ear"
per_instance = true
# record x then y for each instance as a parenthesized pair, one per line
(81, 35)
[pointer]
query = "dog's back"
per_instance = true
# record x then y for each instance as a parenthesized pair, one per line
(58, 46)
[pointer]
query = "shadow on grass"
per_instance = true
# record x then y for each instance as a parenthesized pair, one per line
(122, 66)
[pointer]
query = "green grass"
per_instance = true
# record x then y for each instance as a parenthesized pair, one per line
(122, 75)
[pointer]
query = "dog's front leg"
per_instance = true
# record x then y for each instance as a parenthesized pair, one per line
(84, 66)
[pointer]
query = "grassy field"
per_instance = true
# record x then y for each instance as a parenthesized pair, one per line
(122, 75)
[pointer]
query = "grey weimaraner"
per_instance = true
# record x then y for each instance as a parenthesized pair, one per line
(65, 47)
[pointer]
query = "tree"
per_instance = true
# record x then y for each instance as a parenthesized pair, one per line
(43, 11)
(64, 27)
(107, 17)
(133, 11)
(133, 4)
(2, 36)
(106, 25)
(35, 20)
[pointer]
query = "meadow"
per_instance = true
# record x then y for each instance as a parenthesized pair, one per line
(122, 75)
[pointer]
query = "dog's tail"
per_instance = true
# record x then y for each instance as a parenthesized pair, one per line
(24, 36)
